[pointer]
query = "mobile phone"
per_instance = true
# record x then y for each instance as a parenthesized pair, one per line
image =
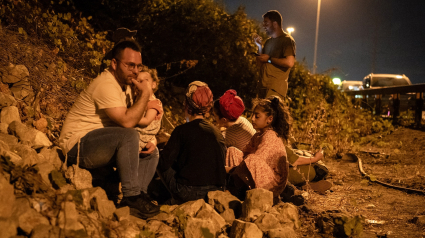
(324, 147)
(255, 53)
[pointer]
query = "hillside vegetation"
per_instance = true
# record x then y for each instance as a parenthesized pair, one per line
(62, 44)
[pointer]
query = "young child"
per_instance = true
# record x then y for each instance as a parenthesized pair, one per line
(263, 162)
(150, 124)
(227, 113)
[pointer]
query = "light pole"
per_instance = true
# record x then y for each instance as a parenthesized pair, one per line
(317, 36)
(290, 30)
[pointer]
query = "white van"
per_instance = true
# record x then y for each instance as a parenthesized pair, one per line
(385, 80)
(351, 85)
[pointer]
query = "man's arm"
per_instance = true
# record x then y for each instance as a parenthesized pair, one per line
(287, 62)
(129, 117)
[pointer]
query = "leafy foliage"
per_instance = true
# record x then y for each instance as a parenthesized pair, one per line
(59, 25)
(324, 115)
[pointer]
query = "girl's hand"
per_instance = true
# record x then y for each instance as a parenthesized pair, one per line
(257, 40)
(150, 147)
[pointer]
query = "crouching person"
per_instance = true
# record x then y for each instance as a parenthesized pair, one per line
(192, 162)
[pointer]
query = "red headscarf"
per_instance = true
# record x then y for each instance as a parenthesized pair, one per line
(231, 106)
(199, 97)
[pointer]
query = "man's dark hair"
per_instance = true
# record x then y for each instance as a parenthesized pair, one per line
(274, 15)
(120, 47)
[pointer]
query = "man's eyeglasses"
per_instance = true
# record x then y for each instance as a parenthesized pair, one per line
(131, 66)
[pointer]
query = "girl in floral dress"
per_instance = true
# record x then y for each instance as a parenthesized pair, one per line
(263, 162)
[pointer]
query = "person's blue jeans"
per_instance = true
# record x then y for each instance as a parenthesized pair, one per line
(117, 146)
(183, 193)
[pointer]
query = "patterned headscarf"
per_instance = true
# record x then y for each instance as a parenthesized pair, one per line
(231, 106)
(199, 97)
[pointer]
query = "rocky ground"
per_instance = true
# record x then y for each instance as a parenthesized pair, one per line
(396, 159)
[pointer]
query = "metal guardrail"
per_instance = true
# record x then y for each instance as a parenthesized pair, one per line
(395, 91)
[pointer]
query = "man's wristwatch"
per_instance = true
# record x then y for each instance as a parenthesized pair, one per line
(270, 60)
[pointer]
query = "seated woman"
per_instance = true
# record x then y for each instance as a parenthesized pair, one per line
(227, 113)
(262, 163)
(303, 167)
(192, 162)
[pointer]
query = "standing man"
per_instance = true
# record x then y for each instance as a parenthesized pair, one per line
(276, 58)
(98, 130)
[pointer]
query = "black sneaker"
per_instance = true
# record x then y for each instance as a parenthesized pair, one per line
(140, 207)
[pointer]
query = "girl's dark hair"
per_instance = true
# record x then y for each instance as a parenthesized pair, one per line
(282, 120)
(216, 108)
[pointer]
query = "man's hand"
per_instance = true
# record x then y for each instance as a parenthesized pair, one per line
(150, 147)
(263, 58)
(143, 86)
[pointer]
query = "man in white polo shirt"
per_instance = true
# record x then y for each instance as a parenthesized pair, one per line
(99, 127)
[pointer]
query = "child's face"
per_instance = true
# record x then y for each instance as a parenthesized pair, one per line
(146, 76)
(260, 120)
(219, 121)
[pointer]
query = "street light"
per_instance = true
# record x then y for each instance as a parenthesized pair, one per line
(317, 36)
(290, 30)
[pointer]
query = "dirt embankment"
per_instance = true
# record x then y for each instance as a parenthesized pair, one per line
(398, 159)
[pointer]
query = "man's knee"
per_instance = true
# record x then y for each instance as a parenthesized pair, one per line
(131, 134)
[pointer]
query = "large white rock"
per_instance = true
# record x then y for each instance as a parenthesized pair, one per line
(207, 212)
(7, 197)
(267, 222)
(52, 156)
(79, 177)
(30, 219)
(14, 73)
(97, 200)
(68, 217)
(9, 114)
(8, 139)
(189, 208)
(242, 229)
(200, 228)
(28, 154)
(228, 206)
(8, 228)
(283, 232)
(12, 157)
(288, 213)
(3, 128)
(35, 138)
(257, 202)
(6, 100)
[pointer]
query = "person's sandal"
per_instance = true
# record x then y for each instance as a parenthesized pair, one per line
(319, 187)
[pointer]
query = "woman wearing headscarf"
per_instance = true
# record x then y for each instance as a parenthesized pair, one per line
(192, 162)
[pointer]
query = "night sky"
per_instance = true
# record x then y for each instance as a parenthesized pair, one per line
(356, 37)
